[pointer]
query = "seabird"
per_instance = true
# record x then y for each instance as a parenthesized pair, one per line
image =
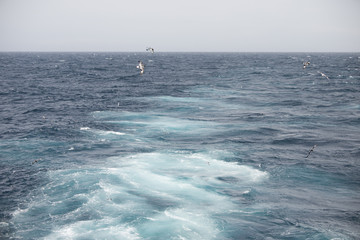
(311, 150)
(306, 64)
(323, 74)
(150, 49)
(35, 161)
(141, 66)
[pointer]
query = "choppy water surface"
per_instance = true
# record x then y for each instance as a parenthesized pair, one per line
(201, 146)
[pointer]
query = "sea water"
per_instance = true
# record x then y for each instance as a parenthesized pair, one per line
(200, 146)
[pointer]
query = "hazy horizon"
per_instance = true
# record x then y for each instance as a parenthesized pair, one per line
(250, 52)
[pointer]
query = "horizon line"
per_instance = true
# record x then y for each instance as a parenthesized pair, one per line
(100, 51)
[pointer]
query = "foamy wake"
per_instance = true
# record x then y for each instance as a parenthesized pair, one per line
(176, 195)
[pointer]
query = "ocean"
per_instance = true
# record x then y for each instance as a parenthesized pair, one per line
(199, 146)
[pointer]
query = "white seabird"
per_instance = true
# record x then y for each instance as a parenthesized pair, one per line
(150, 49)
(323, 74)
(141, 66)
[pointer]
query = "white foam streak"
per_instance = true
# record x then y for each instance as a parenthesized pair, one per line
(112, 132)
(104, 229)
(155, 122)
(101, 132)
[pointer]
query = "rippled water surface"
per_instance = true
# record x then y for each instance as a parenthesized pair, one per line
(200, 146)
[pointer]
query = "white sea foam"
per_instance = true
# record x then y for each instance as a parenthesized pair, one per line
(150, 123)
(102, 132)
(111, 132)
(162, 192)
(150, 195)
(103, 229)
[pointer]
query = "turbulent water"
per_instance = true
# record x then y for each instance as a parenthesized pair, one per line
(200, 146)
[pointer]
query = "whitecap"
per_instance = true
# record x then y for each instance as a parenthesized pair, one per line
(4, 224)
(112, 132)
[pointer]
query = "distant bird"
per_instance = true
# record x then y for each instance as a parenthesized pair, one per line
(35, 161)
(311, 150)
(306, 64)
(150, 49)
(323, 74)
(141, 66)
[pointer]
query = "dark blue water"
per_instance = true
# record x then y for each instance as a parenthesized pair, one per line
(201, 146)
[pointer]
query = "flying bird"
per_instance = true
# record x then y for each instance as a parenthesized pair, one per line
(306, 64)
(150, 49)
(323, 75)
(311, 150)
(141, 66)
(35, 161)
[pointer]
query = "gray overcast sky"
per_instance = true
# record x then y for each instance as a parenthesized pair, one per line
(183, 25)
